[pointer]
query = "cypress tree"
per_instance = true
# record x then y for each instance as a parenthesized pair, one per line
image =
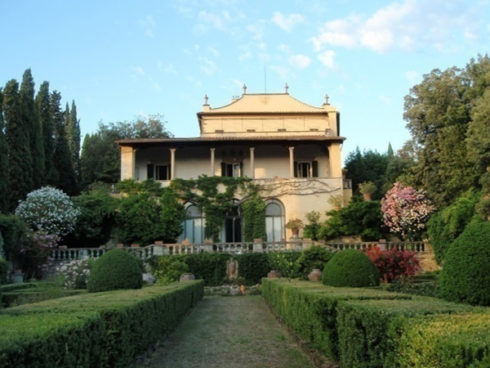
(3, 162)
(20, 168)
(62, 157)
(47, 129)
(31, 120)
(74, 139)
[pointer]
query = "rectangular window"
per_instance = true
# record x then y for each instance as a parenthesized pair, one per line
(232, 170)
(162, 172)
(304, 170)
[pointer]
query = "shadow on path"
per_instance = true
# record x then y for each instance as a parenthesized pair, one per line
(228, 332)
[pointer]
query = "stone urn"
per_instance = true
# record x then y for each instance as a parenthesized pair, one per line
(315, 275)
(187, 277)
(273, 274)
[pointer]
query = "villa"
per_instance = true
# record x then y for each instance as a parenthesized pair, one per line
(291, 149)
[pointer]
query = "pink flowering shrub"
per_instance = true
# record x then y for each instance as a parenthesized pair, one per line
(34, 252)
(75, 273)
(393, 264)
(406, 210)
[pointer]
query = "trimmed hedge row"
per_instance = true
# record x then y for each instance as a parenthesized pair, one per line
(105, 329)
(374, 328)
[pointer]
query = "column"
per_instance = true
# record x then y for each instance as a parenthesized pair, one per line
(291, 162)
(172, 163)
(335, 160)
(252, 162)
(128, 162)
(212, 161)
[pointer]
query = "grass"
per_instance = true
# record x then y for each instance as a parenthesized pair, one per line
(234, 332)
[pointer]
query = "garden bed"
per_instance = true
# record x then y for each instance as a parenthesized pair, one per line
(33, 292)
(363, 327)
(104, 329)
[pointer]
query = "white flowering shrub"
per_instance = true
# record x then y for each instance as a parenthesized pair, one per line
(75, 273)
(49, 209)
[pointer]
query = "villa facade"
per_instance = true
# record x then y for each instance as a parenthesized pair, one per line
(293, 150)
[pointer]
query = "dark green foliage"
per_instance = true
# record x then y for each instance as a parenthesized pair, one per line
(4, 164)
(138, 218)
(4, 268)
(47, 128)
(253, 214)
(31, 121)
(286, 263)
(252, 267)
(116, 269)
(96, 220)
(367, 166)
(17, 132)
(312, 229)
(65, 179)
(350, 268)
(35, 292)
(211, 267)
(100, 157)
(314, 257)
(171, 217)
(73, 135)
(13, 231)
(149, 186)
(103, 330)
(357, 218)
(448, 223)
(465, 276)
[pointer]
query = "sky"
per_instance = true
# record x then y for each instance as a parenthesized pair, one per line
(120, 60)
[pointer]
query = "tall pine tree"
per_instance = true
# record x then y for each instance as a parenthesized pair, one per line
(74, 139)
(47, 128)
(66, 180)
(20, 167)
(3, 162)
(31, 120)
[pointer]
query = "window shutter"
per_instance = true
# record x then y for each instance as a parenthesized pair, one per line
(241, 168)
(295, 169)
(168, 173)
(150, 171)
(223, 169)
(314, 166)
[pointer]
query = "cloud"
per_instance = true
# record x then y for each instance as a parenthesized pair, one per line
(216, 20)
(327, 58)
(213, 51)
(148, 24)
(287, 22)
(405, 25)
(207, 66)
(282, 72)
(412, 76)
(299, 61)
(386, 100)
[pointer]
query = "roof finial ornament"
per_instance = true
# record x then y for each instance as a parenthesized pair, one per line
(206, 99)
(286, 87)
(326, 100)
(244, 88)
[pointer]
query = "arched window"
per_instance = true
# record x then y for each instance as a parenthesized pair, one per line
(274, 221)
(194, 225)
(233, 224)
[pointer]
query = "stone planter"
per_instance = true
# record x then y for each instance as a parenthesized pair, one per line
(120, 245)
(17, 277)
(158, 242)
(315, 275)
(187, 277)
(135, 245)
(273, 274)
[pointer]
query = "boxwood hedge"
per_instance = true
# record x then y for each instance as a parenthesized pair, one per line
(105, 329)
(365, 327)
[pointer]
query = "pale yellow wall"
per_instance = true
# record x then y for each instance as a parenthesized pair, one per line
(270, 125)
(127, 163)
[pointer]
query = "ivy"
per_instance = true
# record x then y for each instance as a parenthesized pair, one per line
(214, 195)
(253, 214)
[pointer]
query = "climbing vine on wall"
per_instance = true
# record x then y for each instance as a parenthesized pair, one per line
(214, 196)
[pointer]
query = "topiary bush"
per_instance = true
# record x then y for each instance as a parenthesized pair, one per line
(465, 276)
(350, 268)
(252, 267)
(311, 258)
(116, 269)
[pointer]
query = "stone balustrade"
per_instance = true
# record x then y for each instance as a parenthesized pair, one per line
(258, 246)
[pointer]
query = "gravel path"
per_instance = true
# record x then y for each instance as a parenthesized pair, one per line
(228, 332)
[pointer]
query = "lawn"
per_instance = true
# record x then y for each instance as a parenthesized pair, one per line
(233, 332)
